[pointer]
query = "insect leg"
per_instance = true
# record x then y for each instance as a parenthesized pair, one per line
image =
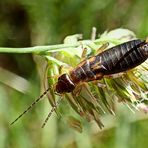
(94, 100)
(146, 40)
(98, 65)
(115, 75)
(36, 101)
(84, 54)
(77, 90)
(102, 48)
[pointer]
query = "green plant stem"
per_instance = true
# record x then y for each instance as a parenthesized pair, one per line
(52, 48)
(36, 49)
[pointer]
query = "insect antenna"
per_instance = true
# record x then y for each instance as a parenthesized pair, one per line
(36, 101)
(51, 111)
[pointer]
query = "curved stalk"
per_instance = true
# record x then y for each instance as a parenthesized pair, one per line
(36, 49)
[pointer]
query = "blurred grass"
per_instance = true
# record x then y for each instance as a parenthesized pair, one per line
(35, 22)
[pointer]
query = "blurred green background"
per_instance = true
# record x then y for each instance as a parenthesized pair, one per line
(41, 22)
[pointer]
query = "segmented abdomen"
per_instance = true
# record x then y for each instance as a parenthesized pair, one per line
(114, 60)
(124, 56)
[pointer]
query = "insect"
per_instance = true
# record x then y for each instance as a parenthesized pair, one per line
(115, 60)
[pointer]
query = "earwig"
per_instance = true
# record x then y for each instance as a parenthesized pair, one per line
(115, 60)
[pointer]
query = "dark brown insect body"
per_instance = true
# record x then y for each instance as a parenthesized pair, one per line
(112, 61)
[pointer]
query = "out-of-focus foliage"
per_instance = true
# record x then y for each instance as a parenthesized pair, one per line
(37, 22)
